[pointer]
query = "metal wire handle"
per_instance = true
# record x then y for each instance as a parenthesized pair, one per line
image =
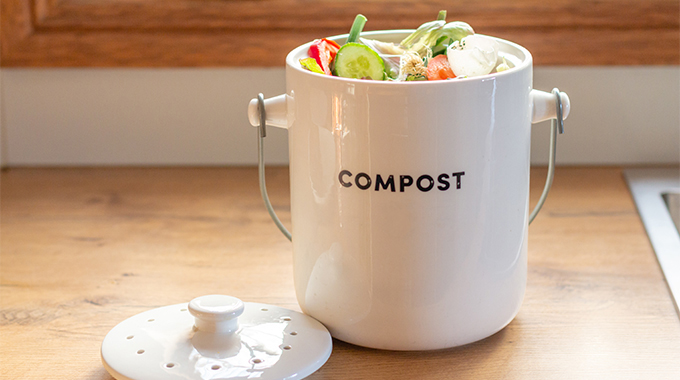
(262, 133)
(557, 125)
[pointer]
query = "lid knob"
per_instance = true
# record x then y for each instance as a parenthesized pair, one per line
(216, 313)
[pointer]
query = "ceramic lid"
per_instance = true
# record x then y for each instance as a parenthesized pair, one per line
(216, 337)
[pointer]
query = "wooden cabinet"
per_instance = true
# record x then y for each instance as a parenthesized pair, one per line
(204, 33)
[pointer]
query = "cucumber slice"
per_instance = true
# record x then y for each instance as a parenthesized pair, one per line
(355, 60)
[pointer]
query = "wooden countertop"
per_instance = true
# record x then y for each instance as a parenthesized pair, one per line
(84, 249)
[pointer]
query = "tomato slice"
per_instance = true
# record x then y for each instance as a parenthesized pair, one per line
(438, 68)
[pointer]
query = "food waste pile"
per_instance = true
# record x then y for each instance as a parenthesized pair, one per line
(437, 50)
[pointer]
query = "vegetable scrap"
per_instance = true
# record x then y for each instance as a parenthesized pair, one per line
(437, 50)
(324, 51)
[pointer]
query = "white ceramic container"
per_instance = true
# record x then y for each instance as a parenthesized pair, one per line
(409, 200)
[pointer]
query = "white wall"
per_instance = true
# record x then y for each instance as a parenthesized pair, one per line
(620, 115)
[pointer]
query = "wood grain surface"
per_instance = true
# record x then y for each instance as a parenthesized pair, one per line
(199, 33)
(84, 249)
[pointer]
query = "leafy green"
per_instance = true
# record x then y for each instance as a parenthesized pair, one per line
(311, 65)
(436, 35)
(448, 34)
(423, 33)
